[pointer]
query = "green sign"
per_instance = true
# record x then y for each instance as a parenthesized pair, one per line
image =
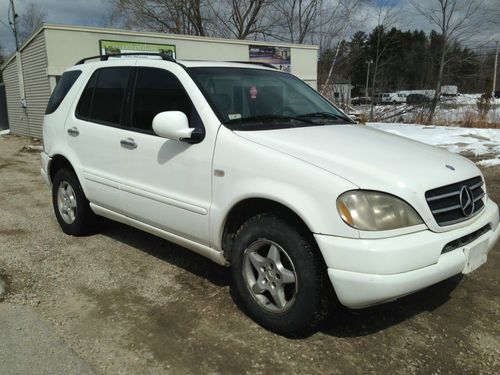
(111, 47)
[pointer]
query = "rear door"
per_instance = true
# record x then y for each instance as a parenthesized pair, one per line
(96, 134)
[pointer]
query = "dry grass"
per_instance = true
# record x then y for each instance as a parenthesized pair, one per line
(363, 118)
(472, 119)
(467, 116)
(469, 119)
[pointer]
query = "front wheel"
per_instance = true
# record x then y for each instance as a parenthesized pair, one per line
(278, 278)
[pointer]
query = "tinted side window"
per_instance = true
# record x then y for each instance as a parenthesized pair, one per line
(104, 96)
(157, 90)
(63, 86)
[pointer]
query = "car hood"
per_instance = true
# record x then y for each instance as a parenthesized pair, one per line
(369, 158)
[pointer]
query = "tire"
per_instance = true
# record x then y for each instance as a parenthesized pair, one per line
(288, 267)
(71, 207)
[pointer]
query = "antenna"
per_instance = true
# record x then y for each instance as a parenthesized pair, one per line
(495, 71)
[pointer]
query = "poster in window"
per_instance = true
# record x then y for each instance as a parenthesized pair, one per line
(112, 47)
(279, 57)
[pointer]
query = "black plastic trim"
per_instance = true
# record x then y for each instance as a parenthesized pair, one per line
(163, 56)
(465, 240)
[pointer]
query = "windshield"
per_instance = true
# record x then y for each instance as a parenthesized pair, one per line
(257, 99)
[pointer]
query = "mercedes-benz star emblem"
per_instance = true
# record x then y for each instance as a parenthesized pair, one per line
(467, 201)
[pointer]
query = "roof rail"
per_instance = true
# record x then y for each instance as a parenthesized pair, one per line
(163, 55)
(267, 65)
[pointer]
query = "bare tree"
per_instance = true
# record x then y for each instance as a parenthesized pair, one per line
(340, 16)
(171, 16)
(455, 20)
(240, 19)
(30, 19)
(297, 18)
(386, 19)
(493, 14)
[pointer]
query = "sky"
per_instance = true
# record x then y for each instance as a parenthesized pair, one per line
(95, 13)
(72, 12)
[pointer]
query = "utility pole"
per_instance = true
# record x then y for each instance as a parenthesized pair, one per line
(369, 62)
(13, 23)
(495, 72)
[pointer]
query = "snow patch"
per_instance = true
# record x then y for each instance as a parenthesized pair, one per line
(470, 99)
(5, 132)
(489, 162)
(459, 140)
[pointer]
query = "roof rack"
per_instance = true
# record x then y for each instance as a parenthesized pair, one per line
(163, 55)
(267, 65)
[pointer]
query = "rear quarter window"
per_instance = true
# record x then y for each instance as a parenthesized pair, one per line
(62, 88)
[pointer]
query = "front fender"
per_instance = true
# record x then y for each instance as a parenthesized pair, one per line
(251, 170)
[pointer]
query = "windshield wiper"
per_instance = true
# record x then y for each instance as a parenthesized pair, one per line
(325, 115)
(267, 118)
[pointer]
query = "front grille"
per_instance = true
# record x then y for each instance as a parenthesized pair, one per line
(465, 240)
(445, 205)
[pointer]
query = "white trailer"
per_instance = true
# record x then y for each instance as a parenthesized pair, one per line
(449, 90)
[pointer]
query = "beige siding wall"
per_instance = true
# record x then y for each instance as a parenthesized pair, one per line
(65, 47)
(36, 83)
(29, 120)
(18, 120)
(305, 65)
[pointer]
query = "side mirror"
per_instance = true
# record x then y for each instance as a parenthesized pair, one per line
(172, 125)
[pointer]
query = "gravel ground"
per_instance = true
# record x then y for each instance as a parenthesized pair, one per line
(127, 302)
(29, 345)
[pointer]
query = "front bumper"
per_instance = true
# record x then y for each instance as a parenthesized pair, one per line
(370, 272)
(44, 171)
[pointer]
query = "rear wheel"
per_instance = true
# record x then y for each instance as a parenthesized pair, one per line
(72, 209)
(278, 279)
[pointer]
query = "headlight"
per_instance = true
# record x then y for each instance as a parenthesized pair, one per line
(376, 211)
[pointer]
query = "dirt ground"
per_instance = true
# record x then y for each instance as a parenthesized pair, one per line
(127, 302)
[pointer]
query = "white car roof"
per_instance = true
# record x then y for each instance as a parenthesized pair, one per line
(92, 64)
(223, 64)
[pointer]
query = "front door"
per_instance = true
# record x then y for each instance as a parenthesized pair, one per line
(168, 183)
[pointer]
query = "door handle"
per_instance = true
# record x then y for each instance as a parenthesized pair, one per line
(74, 132)
(128, 143)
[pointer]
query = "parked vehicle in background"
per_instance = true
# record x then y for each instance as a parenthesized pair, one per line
(382, 99)
(449, 90)
(362, 100)
(429, 93)
(398, 98)
(252, 168)
(390, 98)
(417, 99)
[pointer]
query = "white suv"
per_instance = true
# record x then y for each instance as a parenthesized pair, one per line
(252, 168)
